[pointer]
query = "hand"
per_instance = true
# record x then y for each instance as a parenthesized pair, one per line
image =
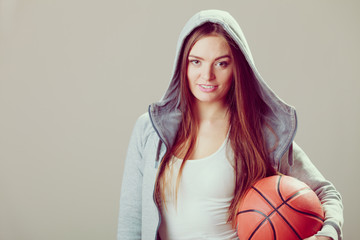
(318, 238)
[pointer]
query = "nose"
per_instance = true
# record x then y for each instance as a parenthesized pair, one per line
(207, 73)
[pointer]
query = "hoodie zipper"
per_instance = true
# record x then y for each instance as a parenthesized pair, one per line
(290, 142)
(157, 160)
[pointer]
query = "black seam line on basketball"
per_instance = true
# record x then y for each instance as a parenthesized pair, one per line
(261, 223)
(305, 213)
(276, 209)
(249, 210)
(282, 199)
(294, 195)
(254, 210)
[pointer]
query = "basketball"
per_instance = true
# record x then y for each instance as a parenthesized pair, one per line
(279, 207)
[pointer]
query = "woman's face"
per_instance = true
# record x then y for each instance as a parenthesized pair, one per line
(210, 69)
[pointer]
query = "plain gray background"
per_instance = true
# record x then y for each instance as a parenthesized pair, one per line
(75, 75)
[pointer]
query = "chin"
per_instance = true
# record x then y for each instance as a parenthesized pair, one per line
(208, 100)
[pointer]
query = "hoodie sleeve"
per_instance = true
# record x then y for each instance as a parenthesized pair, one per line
(304, 170)
(130, 215)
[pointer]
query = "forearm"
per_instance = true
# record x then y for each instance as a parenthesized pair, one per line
(304, 170)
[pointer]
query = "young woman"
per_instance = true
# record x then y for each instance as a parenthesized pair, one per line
(217, 130)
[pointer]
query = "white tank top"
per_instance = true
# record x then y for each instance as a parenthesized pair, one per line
(206, 190)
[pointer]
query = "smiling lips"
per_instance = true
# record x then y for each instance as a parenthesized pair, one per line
(207, 88)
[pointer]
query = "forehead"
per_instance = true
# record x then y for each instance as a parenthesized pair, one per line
(211, 46)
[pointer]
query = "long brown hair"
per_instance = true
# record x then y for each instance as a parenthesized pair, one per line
(246, 108)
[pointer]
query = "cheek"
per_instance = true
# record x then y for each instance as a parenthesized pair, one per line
(227, 78)
(230, 79)
(190, 80)
(191, 75)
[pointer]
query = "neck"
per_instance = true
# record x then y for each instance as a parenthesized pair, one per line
(211, 111)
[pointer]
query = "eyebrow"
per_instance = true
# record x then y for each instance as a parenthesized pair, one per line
(224, 56)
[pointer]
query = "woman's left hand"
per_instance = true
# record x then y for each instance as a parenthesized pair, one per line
(318, 238)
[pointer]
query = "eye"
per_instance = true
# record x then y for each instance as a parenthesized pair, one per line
(194, 61)
(222, 64)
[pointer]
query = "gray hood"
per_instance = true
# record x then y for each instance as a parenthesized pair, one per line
(166, 116)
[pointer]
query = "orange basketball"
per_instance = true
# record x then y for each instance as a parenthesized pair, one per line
(279, 208)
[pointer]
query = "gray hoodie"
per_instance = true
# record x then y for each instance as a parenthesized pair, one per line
(155, 132)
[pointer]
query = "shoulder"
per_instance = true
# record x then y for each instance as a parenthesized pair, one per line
(143, 123)
(143, 128)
